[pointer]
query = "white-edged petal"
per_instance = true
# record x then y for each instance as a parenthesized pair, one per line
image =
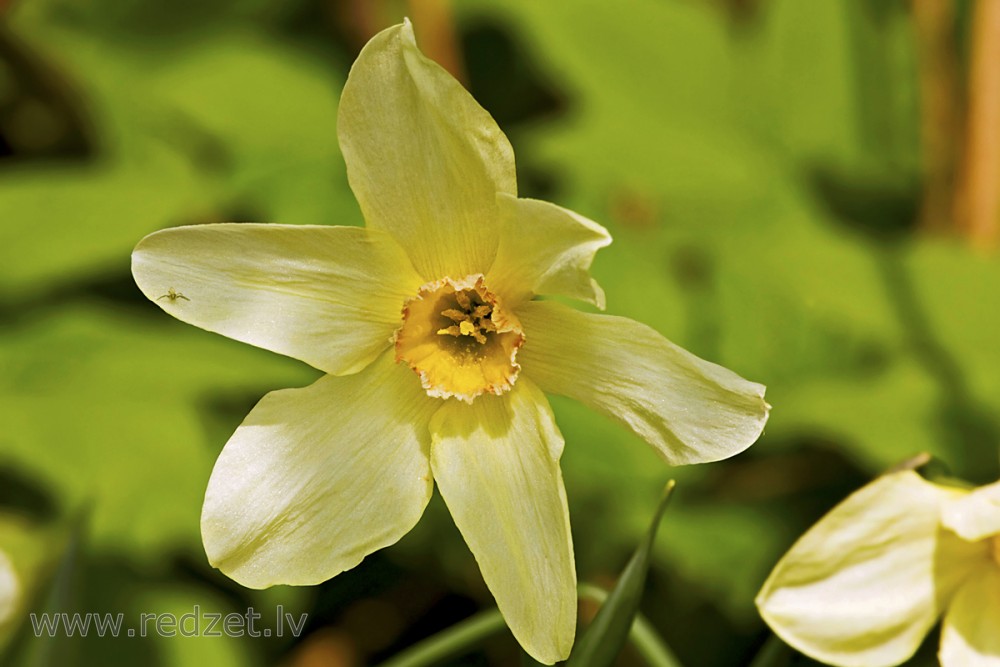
(545, 249)
(329, 296)
(496, 464)
(976, 514)
(10, 589)
(689, 409)
(423, 158)
(864, 585)
(970, 634)
(317, 478)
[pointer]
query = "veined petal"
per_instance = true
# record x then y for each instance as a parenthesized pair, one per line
(423, 158)
(496, 463)
(970, 634)
(329, 296)
(317, 478)
(976, 514)
(689, 409)
(545, 249)
(864, 585)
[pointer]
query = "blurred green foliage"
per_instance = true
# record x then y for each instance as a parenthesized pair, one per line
(757, 169)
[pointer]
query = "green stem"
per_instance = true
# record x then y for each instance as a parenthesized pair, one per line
(774, 653)
(450, 642)
(650, 646)
(459, 637)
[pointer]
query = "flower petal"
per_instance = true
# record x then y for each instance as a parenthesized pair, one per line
(496, 463)
(976, 514)
(864, 585)
(545, 249)
(423, 158)
(317, 478)
(329, 296)
(690, 410)
(970, 634)
(10, 589)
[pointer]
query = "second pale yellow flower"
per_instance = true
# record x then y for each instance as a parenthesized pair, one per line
(863, 587)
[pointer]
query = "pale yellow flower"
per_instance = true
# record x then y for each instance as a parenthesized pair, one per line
(864, 585)
(10, 589)
(435, 353)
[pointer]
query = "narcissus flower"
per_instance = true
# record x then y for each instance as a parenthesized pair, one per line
(435, 353)
(864, 585)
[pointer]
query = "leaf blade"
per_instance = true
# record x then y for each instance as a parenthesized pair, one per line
(604, 639)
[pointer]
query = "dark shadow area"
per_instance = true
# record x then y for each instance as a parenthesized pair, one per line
(25, 496)
(40, 114)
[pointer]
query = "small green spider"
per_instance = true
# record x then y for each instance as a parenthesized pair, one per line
(172, 295)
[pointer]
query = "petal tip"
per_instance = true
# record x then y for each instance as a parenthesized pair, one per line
(600, 300)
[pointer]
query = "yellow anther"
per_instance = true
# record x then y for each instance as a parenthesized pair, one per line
(472, 317)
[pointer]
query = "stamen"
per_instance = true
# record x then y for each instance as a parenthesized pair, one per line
(473, 319)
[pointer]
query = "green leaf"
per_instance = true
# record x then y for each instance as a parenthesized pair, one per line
(957, 289)
(604, 639)
(234, 125)
(61, 596)
(62, 222)
(128, 414)
(631, 131)
(774, 653)
(185, 642)
(450, 642)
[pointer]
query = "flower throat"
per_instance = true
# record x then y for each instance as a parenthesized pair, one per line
(459, 340)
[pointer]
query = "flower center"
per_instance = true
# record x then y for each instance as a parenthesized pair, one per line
(995, 548)
(458, 338)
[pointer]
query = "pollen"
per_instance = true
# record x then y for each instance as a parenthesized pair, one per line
(995, 548)
(459, 340)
